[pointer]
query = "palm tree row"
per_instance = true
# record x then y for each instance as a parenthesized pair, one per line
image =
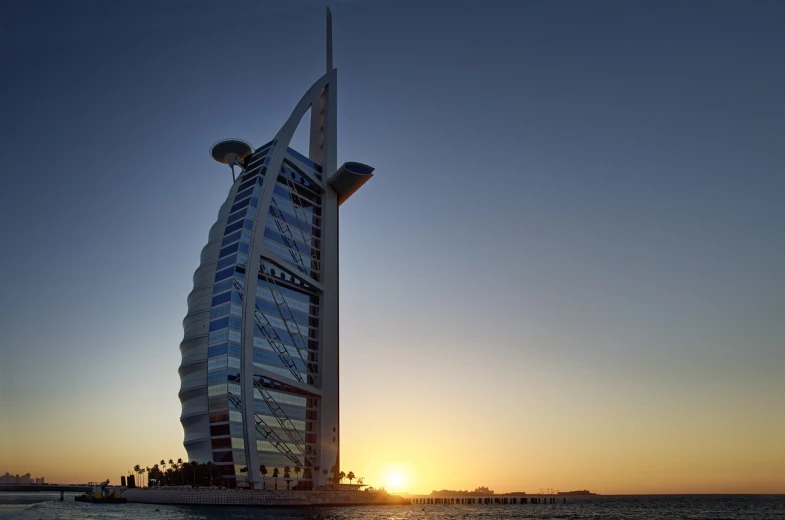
(195, 474)
(179, 473)
(334, 479)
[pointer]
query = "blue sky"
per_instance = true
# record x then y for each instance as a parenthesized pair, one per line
(595, 189)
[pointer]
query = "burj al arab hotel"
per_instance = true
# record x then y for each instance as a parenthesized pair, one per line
(259, 372)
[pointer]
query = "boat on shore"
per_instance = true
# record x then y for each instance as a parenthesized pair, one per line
(108, 499)
(102, 494)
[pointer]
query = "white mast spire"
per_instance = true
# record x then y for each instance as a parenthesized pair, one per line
(329, 40)
(322, 146)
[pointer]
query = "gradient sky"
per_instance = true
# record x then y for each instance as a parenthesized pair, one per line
(568, 271)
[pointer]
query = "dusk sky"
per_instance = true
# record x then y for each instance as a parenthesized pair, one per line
(568, 271)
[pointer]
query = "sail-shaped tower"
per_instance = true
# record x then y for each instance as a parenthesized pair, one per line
(259, 371)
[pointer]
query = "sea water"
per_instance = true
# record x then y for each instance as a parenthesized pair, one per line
(688, 507)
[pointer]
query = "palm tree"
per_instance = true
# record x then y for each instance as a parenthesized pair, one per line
(275, 476)
(172, 467)
(180, 466)
(194, 465)
(324, 472)
(350, 476)
(147, 470)
(287, 476)
(341, 476)
(297, 470)
(263, 471)
(314, 474)
(360, 480)
(210, 471)
(137, 471)
(169, 475)
(163, 470)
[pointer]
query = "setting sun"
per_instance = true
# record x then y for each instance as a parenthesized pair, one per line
(395, 479)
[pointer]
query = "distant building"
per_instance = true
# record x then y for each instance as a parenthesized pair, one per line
(16, 479)
(452, 493)
(259, 370)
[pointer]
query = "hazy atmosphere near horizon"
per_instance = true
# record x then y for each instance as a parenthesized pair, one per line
(568, 271)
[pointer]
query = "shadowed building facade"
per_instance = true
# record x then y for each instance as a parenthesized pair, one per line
(259, 371)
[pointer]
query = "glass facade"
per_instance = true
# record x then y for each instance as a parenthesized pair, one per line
(259, 382)
(285, 342)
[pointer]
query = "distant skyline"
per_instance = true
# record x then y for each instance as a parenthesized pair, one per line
(568, 271)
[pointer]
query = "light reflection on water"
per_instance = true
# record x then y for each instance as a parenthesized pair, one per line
(707, 507)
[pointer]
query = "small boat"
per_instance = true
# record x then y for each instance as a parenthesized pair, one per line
(109, 499)
(102, 495)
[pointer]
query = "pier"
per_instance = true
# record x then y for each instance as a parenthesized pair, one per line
(46, 488)
(260, 497)
(489, 500)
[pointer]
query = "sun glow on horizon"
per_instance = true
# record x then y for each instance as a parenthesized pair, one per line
(395, 479)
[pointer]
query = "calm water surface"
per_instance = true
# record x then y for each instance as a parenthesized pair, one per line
(700, 507)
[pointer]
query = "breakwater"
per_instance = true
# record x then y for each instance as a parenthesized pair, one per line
(249, 497)
(487, 500)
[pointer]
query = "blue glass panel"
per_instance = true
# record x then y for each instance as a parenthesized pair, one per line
(222, 298)
(235, 322)
(247, 224)
(254, 202)
(250, 175)
(271, 358)
(236, 429)
(291, 220)
(242, 194)
(282, 335)
(247, 184)
(289, 242)
(231, 228)
(222, 286)
(240, 205)
(267, 307)
(217, 350)
(226, 262)
(217, 312)
(281, 190)
(237, 216)
(221, 275)
(234, 349)
(291, 293)
(243, 247)
(219, 324)
(303, 159)
(234, 237)
(292, 411)
(216, 377)
(228, 250)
